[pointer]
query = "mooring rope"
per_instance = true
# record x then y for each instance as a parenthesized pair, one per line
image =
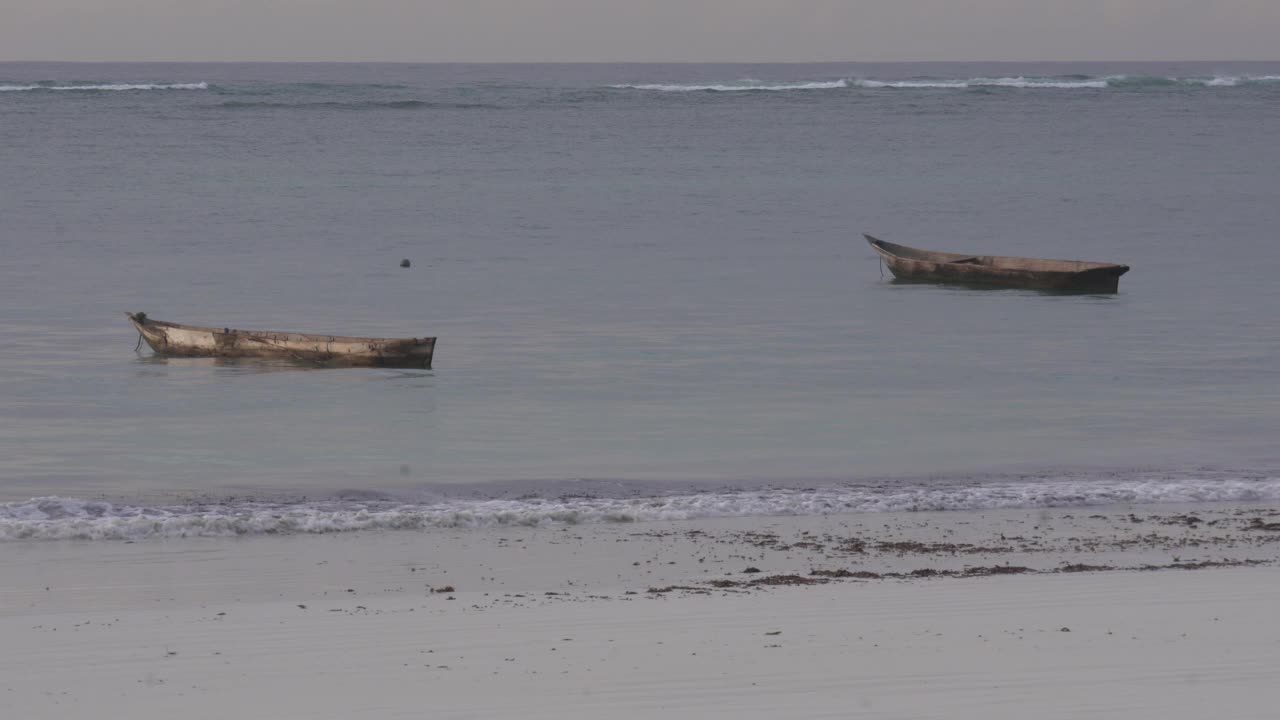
(139, 345)
(881, 266)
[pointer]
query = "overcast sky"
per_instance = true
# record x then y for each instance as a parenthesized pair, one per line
(639, 30)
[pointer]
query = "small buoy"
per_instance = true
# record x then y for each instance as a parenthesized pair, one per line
(404, 262)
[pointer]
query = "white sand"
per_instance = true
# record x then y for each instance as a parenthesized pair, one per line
(213, 628)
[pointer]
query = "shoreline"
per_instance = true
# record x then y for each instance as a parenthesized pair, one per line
(581, 503)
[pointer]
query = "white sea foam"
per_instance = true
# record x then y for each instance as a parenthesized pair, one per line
(1072, 82)
(107, 87)
(748, 85)
(1008, 82)
(740, 86)
(912, 84)
(1219, 81)
(1021, 82)
(53, 518)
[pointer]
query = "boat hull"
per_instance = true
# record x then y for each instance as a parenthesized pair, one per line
(1067, 276)
(194, 341)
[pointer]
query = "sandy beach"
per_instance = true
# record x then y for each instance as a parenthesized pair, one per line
(1152, 611)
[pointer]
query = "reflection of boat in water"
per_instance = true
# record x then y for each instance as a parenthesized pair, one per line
(159, 364)
(912, 264)
(172, 339)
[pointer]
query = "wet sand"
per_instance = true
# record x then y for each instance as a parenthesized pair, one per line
(1151, 611)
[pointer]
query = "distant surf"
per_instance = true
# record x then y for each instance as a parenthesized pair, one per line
(57, 518)
(101, 87)
(739, 86)
(1000, 82)
(1069, 82)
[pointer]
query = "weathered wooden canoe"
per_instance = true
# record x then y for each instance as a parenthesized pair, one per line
(168, 338)
(911, 264)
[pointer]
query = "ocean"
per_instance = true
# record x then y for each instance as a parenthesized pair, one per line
(649, 285)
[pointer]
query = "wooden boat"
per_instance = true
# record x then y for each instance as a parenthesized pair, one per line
(914, 265)
(168, 338)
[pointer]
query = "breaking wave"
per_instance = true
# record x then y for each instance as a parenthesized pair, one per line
(739, 86)
(1002, 82)
(56, 518)
(1066, 82)
(102, 87)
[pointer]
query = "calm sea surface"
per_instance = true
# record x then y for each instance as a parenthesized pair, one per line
(649, 287)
